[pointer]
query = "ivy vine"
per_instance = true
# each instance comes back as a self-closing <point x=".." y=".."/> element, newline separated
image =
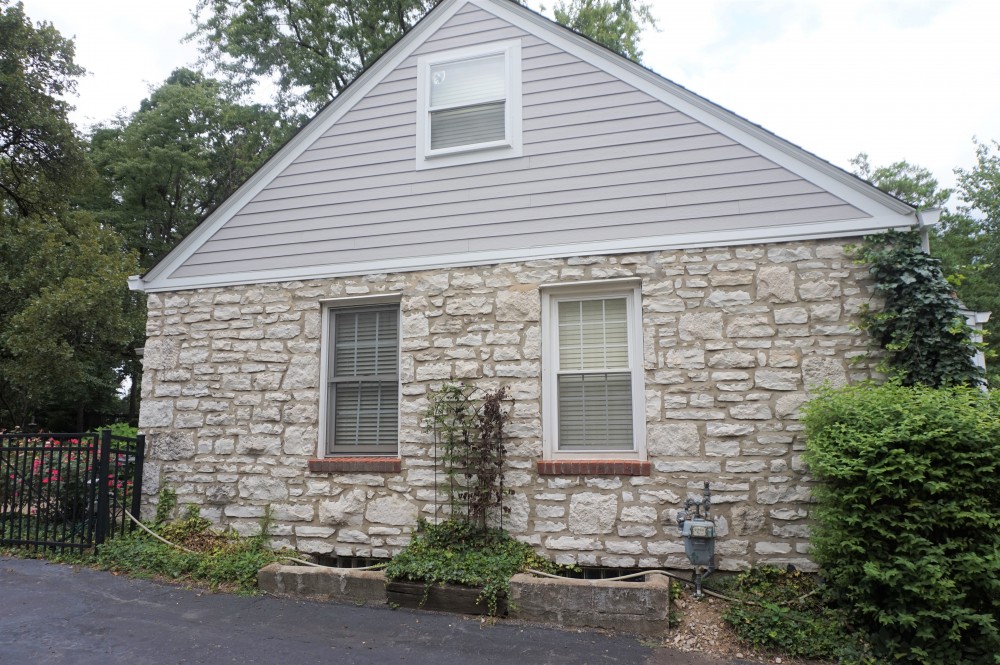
<point x="925" y="338"/>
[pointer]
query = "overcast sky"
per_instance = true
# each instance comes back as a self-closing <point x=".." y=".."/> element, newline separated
<point x="899" y="79"/>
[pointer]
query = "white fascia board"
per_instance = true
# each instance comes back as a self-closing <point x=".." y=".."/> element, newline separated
<point x="838" y="182"/>
<point x="309" y="134"/>
<point x="698" y="239"/>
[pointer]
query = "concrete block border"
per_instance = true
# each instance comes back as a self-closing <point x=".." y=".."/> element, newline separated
<point x="360" y="587"/>
<point x="638" y="607"/>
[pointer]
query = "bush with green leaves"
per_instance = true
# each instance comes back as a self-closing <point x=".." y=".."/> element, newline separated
<point x="783" y="612"/>
<point x="908" y="517"/>
<point x="222" y="560"/>
<point x="459" y="552"/>
<point x="921" y="328"/>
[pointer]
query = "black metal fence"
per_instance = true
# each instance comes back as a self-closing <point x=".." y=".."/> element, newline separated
<point x="68" y="490"/>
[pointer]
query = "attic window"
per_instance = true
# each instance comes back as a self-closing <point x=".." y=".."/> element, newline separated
<point x="469" y="105"/>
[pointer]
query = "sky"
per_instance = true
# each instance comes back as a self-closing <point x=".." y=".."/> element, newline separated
<point x="898" y="79"/>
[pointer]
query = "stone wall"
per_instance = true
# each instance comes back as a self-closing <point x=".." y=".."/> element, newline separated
<point x="734" y="338"/>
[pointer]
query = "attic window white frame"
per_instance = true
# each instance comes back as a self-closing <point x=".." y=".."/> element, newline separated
<point x="552" y="295"/>
<point x="510" y="146"/>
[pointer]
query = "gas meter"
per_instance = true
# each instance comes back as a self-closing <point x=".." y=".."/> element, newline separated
<point x="698" y="530"/>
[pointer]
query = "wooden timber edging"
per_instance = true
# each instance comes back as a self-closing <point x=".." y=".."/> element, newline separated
<point x="638" y="608"/>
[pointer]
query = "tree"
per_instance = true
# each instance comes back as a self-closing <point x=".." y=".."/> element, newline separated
<point x="39" y="154"/>
<point x="63" y="325"/>
<point x="966" y="243"/>
<point x="187" y="148"/>
<point x="312" y="49"/>
<point x="616" y="24"/>
<point x="908" y="182"/>
<point x="67" y="319"/>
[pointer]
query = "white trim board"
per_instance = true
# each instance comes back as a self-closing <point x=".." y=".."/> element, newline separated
<point x="693" y="240"/>
<point x="885" y="211"/>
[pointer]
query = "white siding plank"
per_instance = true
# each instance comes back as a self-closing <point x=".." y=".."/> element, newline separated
<point x="602" y="161"/>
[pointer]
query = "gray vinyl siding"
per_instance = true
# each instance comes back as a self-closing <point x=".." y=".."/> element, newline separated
<point x="601" y="161"/>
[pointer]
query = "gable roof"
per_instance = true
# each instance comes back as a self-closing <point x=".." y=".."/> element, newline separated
<point x="842" y="204"/>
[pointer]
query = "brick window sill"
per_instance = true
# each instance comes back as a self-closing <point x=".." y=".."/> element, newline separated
<point x="602" y="467"/>
<point x="356" y="464"/>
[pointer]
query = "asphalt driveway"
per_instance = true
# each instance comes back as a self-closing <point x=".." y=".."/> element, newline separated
<point x="52" y="613"/>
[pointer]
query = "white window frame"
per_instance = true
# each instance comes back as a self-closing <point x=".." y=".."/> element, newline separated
<point x="552" y="295"/>
<point x="327" y="307"/>
<point x="509" y="147"/>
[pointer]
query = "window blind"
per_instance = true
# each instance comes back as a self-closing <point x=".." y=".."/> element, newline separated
<point x="468" y="102"/>
<point x="364" y="380"/>
<point x="594" y="383"/>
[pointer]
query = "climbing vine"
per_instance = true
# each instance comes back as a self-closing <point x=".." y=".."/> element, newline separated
<point x="921" y="329"/>
<point x="468" y="425"/>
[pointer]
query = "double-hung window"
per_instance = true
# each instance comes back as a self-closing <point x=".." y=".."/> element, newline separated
<point x="469" y="105"/>
<point x="362" y="380"/>
<point x="592" y="355"/>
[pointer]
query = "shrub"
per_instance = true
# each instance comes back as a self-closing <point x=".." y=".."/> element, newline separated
<point x="218" y="559"/>
<point x="908" y="517"/>
<point x="459" y="552"/>
<point x="921" y="327"/>
<point x="785" y="614"/>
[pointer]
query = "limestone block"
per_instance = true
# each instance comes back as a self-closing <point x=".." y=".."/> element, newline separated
<point x="749" y="326"/>
<point x="827" y="312"/>
<point x="639" y="514"/>
<point x="468" y="305"/>
<point x="518" y="306"/>
<point x="302" y="372"/>
<point x="747" y="520"/>
<point x="691" y="467"/>
<point x="262" y="488"/>
<point x="686" y="358"/>
<point x="592" y="513"/>
<point x="394" y="510"/>
<point x="516" y="521"/>
<point x="636" y="531"/>
<point x="571" y="543"/>
<point x="171" y="445"/>
<point x="160" y="353"/>
<point x="783" y="358"/>
<point x="772" y="380"/>
<point x="772" y="548"/>
<point x="282" y="331"/>
<point x="750" y="412"/>
<point x="301" y="414"/>
<point x="728" y="429"/>
<point x="155" y="413"/>
<point x="658" y="496"/>
<point x="416" y="325"/>
<point x="258" y="444"/>
<point x="221" y="494"/>
<point x="786" y="254"/>
<point x="189" y="420"/>
<point x="700" y="326"/>
<point x="550" y="511"/>
<point x="791" y="315"/>
<point x="776" y="284"/>
<point x="346" y="510"/>
<point x="819" y="290"/>
<point x="819" y="370"/>
<point x="788" y="406"/>
<point x="732" y="360"/>
<point x="750" y="466"/>
<point x="676" y="439"/>
<point x="728" y="300"/>
<point x="772" y="494"/>
<point x="434" y="372"/>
